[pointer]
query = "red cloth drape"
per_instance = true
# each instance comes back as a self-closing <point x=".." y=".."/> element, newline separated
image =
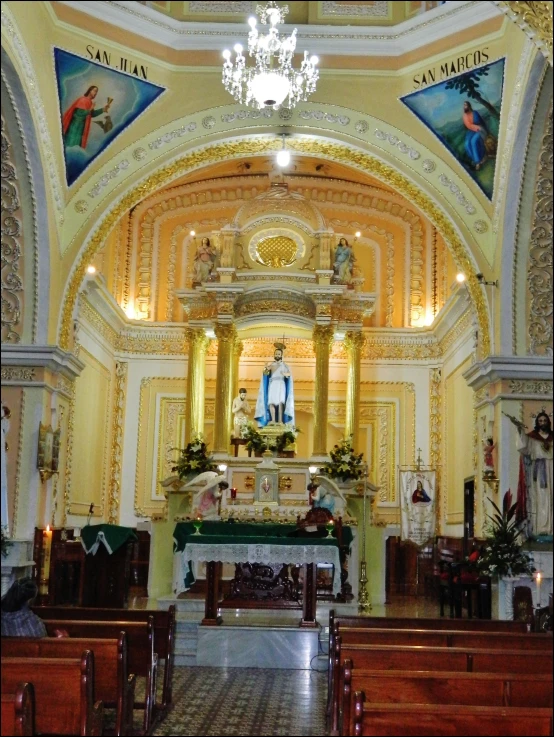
<point x="83" y="103"/>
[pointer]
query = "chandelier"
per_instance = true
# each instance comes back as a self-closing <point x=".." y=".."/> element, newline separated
<point x="273" y="78"/>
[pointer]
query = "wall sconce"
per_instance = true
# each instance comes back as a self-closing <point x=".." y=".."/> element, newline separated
<point x="48" y="455"/>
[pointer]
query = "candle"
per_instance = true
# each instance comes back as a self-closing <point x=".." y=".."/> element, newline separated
<point x="539" y="579"/>
<point x="233" y="493"/>
<point x="46" y="552"/>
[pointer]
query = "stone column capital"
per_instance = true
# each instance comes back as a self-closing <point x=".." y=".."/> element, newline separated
<point x="323" y="335"/>
<point x="225" y="333"/>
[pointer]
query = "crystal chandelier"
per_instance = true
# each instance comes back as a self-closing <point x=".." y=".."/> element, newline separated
<point x="272" y="79"/>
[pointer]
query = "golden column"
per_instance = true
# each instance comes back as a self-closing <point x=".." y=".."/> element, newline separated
<point x="226" y="336"/>
<point x="194" y="409"/>
<point x="323" y="339"/>
<point x="238" y="347"/>
<point x="353" y="342"/>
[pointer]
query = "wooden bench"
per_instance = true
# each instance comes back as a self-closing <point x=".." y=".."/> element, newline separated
<point x="444" y="687"/>
<point x="405" y="623"/>
<point x="444" y="638"/>
<point x="141" y="659"/>
<point x="164" y="630"/>
<point x="18" y="711"/>
<point x="410" y="657"/>
<point x="64" y="692"/>
<point x="440" y="719"/>
<point x="112" y="683"/>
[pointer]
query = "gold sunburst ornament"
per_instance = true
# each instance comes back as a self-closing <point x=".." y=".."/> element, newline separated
<point x="276" y="252"/>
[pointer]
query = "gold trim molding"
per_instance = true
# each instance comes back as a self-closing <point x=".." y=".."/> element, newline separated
<point x="535" y="20"/>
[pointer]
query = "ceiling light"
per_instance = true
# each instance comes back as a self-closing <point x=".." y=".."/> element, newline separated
<point x="460" y="278"/>
<point x="272" y="78"/>
<point x="283" y="156"/>
<point x="192" y="232"/>
<point x="91" y="269"/>
<point x="358" y="234"/>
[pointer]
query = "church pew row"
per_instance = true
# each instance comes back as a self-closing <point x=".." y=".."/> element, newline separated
<point x="141" y="658"/>
<point x="484" y="625"/>
<point x="442" y="719"/>
<point x="440" y="687"/>
<point x="112" y="683"/>
<point x="413" y="657"/>
<point x="18" y="711"/>
<point x="164" y="630"/>
<point x="64" y="692"/>
<point x="444" y="638"/>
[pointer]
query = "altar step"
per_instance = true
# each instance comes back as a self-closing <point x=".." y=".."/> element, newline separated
<point x="250" y="637"/>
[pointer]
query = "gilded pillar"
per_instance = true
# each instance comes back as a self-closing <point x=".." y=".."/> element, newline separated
<point x="353" y="342"/>
<point x="194" y="410"/>
<point x="226" y="337"/>
<point x="323" y="339"/>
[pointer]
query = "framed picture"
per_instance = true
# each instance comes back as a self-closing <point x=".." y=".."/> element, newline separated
<point x="267" y="487"/>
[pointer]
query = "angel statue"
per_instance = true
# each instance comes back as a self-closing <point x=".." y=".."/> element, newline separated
<point x="208" y="488"/>
<point x="329" y="496"/>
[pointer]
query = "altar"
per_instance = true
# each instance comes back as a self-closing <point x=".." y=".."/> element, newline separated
<point x="266" y="550"/>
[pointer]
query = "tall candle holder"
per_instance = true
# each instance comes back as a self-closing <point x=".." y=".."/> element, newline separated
<point x="364" y="603"/>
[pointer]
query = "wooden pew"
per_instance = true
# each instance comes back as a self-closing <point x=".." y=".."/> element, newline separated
<point x="164" y="630"/>
<point x="485" y="625"/>
<point x="142" y="661"/>
<point x="410" y="657"/>
<point x="64" y="692"/>
<point x="444" y="638"/>
<point x="435" y="719"/>
<point x="440" y="687"/>
<point x="112" y="683"/>
<point x="18" y="711"/>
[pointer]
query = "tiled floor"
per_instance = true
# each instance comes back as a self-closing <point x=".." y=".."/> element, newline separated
<point x="238" y="701"/>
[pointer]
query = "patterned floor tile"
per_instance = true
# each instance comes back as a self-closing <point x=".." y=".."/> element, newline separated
<point x="240" y="701"/>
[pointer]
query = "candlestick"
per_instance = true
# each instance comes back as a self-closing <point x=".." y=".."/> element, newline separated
<point x="538" y="581"/>
<point x="46" y="555"/>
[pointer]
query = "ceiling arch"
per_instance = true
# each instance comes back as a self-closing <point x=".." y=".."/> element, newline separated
<point x="248" y="146"/>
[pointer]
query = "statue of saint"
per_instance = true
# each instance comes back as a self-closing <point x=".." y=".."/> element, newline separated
<point x="488" y="447"/>
<point x="344" y="262"/>
<point x="240" y="410"/>
<point x="275" y="402"/>
<point x="204" y="262"/>
<point x="534" y="493"/>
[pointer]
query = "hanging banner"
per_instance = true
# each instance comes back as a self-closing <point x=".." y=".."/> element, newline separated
<point x="417" y="506"/>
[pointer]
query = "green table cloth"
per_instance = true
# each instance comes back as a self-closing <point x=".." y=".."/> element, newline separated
<point x="241" y="542"/>
<point x="111" y="536"/>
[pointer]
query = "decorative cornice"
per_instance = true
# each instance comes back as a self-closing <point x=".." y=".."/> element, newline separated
<point x="37" y="356"/>
<point x="495" y="368"/>
<point x="360" y="41"/>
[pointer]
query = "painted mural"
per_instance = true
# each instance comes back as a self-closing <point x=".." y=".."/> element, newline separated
<point x="464" y="113"/>
<point x="96" y="104"/>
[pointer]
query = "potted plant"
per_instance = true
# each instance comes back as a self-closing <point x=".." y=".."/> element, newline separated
<point x="286" y="443"/>
<point x="193" y="459"/>
<point x="254" y="441"/>
<point x="345" y="465"/>
<point x="502" y="554"/>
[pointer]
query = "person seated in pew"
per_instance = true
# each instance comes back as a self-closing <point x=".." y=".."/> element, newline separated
<point x="17" y="619"/>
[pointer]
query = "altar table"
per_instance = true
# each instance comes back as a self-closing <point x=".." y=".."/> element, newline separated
<point x="269" y="543"/>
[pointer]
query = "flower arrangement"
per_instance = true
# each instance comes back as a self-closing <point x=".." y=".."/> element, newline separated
<point x="502" y="553"/>
<point x="345" y="464"/>
<point x="257" y="444"/>
<point x="193" y="459"/>
<point x="6" y="542"/>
